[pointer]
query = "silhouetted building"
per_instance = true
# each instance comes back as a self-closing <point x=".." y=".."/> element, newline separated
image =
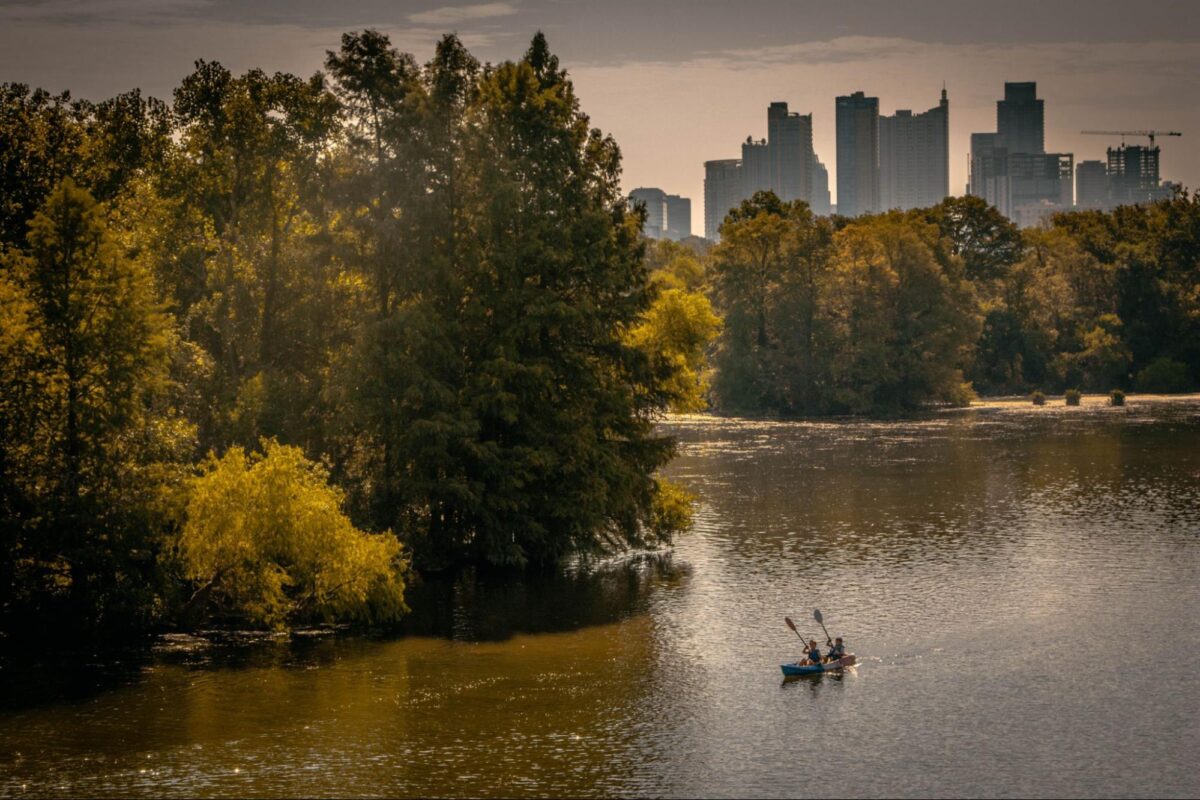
<point x="756" y="166"/>
<point x="857" y="154"/>
<point x="1010" y="168"/>
<point x="679" y="217"/>
<point x="1133" y="175"/>
<point x="722" y="191"/>
<point x="655" y="201"/>
<point x="1020" y="119"/>
<point x="789" y="139"/>
<point x="1091" y="185"/>
<point x="819" y="193"/>
<point x="914" y="158"/>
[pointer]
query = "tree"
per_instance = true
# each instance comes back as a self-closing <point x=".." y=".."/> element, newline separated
<point x="85" y="450"/>
<point x="904" y="320"/>
<point x="678" y="329"/>
<point x="263" y="540"/>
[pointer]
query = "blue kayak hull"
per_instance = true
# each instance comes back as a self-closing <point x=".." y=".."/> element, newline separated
<point x="790" y="670"/>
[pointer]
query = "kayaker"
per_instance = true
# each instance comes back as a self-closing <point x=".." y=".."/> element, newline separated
<point x="814" y="652"/>
<point x="836" y="650"/>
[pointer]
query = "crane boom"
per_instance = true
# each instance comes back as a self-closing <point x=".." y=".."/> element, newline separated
<point x="1123" y="134"/>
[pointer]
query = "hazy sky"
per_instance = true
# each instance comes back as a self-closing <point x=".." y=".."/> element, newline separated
<point x="678" y="83"/>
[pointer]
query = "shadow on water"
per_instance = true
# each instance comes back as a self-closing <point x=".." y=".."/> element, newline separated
<point x="470" y="606"/>
<point x="487" y="606"/>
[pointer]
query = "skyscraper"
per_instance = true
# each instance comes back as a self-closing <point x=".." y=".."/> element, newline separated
<point x="1091" y="185"/>
<point x="756" y="166"/>
<point x="789" y="138"/>
<point x="819" y="193"/>
<point x="1019" y="119"/>
<point x="679" y="217"/>
<point x="1011" y="169"/>
<point x="914" y="158"/>
<point x="1133" y="174"/>
<point x="722" y="191"/>
<point x="656" y="210"/>
<point x="857" y="154"/>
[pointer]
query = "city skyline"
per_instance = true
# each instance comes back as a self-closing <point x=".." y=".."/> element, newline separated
<point x="675" y="89"/>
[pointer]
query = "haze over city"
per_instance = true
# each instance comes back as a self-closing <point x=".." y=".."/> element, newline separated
<point x="681" y="83"/>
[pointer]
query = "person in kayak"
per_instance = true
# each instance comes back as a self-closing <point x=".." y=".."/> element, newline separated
<point x="814" y="652"/>
<point x="836" y="650"/>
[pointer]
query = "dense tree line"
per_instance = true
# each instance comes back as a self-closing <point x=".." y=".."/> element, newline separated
<point x="891" y="312"/>
<point x="266" y="348"/>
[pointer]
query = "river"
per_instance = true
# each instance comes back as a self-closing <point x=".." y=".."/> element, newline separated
<point x="1020" y="585"/>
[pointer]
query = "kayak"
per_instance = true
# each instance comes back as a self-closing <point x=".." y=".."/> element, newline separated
<point x="797" y="668"/>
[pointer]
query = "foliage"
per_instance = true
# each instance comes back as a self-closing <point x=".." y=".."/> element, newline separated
<point x="426" y="277"/>
<point x="1116" y="397"/>
<point x="264" y="541"/>
<point x="676" y="332"/>
<point x="1071" y="397"/>
<point x="1038" y="398"/>
<point x="86" y="429"/>
<point x="873" y="319"/>
<point x="1164" y="376"/>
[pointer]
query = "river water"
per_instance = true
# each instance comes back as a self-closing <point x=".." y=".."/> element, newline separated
<point x="1020" y="586"/>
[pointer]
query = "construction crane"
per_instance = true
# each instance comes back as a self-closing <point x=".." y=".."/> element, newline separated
<point x="1123" y="134"/>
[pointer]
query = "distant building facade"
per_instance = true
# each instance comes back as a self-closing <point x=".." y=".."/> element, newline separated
<point x="1133" y="175"/>
<point x="819" y="199"/>
<point x="789" y="140"/>
<point x="1091" y="185"/>
<point x="679" y="217"/>
<point x="857" y="154"/>
<point x="783" y="163"/>
<point x="668" y="216"/>
<point x="655" y="201"/>
<point x="756" y="166"/>
<point x="1011" y="169"/>
<point x="1020" y="119"/>
<point x="722" y="191"/>
<point x="914" y="158"/>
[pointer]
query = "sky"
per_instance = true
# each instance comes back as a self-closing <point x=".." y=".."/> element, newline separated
<point x="680" y="82"/>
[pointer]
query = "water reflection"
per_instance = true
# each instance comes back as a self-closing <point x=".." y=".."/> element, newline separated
<point x="954" y="553"/>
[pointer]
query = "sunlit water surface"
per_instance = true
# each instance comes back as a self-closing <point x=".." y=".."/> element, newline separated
<point x="1020" y="586"/>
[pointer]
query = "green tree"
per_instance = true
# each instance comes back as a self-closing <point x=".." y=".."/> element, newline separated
<point x="264" y="540"/>
<point x="904" y="319"/>
<point x="86" y="452"/>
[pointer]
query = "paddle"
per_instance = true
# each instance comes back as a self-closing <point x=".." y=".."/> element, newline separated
<point x="792" y="625"/>
<point x="821" y="622"/>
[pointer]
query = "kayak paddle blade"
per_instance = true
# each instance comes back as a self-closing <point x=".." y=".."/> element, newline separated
<point x="817" y="616"/>
<point x="789" y="622"/>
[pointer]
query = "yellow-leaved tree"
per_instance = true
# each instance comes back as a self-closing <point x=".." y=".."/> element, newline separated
<point x="264" y="541"/>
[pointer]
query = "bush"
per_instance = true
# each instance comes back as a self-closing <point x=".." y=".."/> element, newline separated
<point x="1039" y="399"/>
<point x="1072" y="397"/>
<point x="264" y="541"/>
<point x="1164" y="376"/>
<point x="961" y="394"/>
<point x="1116" y="397"/>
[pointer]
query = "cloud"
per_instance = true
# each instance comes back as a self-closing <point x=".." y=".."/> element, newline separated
<point x="451" y="15"/>
<point x="83" y="12"/>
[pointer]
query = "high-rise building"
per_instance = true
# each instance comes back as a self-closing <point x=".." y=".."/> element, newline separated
<point x="1039" y="184"/>
<point x="1011" y="169"/>
<point x="857" y="154"/>
<point x="756" y="166"/>
<point x="679" y="217"/>
<point x="1020" y="119"/>
<point x="722" y="191"/>
<point x="819" y="194"/>
<point x="1091" y="185"/>
<point x="914" y="158"/>
<point x="1133" y="175"/>
<point x="789" y="137"/>
<point x="655" y="201"/>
